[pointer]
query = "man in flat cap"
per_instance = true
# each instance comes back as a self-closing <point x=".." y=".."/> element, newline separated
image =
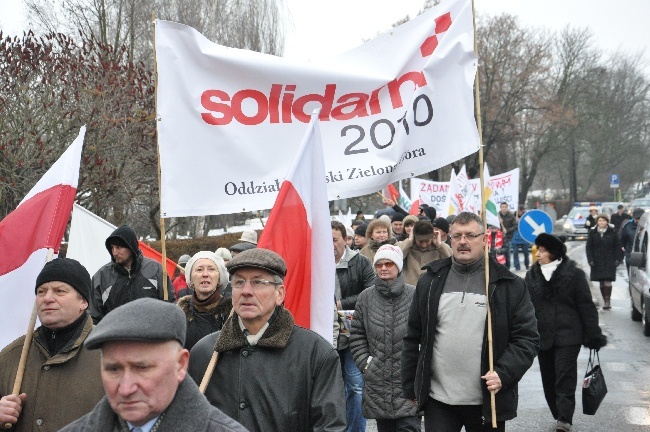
<point x="128" y="276"/>
<point x="144" y="372"/>
<point x="61" y="380"/>
<point x="271" y="374"/>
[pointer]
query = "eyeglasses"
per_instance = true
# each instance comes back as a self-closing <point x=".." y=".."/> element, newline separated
<point x="387" y="264"/>
<point x="256" y="284"/>
<point x="469" y="236"/>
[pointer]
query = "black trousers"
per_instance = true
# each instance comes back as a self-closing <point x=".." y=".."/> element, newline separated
<point x="403" y="424"/>
<point x="559" y="368"/>
<point x="440" y="417"/>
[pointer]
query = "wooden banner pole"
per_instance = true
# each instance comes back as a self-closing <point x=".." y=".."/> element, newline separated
<point x="477" y="103"/>
<point x="20" y="373"/>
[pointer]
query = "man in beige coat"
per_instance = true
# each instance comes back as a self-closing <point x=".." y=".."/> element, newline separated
<point x="422" y="247"/>
<point x="62" y="380"/>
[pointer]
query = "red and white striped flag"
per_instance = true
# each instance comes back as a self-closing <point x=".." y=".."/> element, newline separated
<point x="299" y="229"/>
<point x="36" y="225"/>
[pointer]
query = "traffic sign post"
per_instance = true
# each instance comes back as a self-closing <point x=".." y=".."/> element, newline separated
<point x="614" y="181"/>
<point x="533" y="223"/>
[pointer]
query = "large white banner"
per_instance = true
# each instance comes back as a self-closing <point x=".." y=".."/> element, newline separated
<point x="230" y="121"/>
<point x="501" y="188"/>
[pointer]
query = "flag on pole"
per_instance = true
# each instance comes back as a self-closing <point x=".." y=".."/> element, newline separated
<point x="87" y="242"/>
<point x="299" y="229"/>
<point x="26" y="234"/>
<point x="403" y="199"/>
<point x="491" y="212"/>
<point x="390" y="192"/>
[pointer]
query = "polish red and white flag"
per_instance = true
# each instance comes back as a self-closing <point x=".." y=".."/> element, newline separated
<point x="299" y="229"/>
<point x="26" y="234"/>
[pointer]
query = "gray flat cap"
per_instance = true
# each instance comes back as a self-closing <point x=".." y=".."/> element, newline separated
<point x="145" y="320"/>
<point x="259" y="258"/>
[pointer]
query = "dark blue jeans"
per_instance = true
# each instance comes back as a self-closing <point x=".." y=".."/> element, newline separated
<point x="515" y="255"/>
<point x="353" y="379"/>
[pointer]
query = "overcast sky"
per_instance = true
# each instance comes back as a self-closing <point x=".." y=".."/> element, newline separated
<point x="325" y="28"/>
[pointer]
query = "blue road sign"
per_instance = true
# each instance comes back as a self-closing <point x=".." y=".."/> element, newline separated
<point x="613" y="180"/>
<point x="533" y="223"/>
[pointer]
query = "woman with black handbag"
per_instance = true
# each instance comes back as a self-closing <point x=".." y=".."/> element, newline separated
<point x="566" y="319"/>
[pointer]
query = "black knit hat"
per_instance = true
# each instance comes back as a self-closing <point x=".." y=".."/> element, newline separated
<point x="442" y="224"/>
<point x="69" y="271"/>
<point x="397" y="217"/>
<point x="553" y="244"/>
<point x="361" y="230"/>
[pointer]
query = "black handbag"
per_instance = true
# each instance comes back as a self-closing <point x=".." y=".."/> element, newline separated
<point x="594" y="387"/>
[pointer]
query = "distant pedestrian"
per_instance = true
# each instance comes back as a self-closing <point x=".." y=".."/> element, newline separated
<point x="628" y="232"/>
<point x="180" y="283"/>
<point x="519" y="244"/>
<point x="604" y="253"/>
<point x="619" y="218"/>
<point x="508" y="228"/>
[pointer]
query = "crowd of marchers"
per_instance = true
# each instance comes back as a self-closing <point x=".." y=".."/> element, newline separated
<point x="409" y="345"/>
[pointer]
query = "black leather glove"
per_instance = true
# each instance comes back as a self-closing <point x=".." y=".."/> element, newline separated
<point x="596" y="342"/>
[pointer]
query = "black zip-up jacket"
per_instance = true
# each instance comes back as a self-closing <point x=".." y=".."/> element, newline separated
<point x="114" y="286"/>
<point x="514" y="336"/>
<point x="566" y="314"/>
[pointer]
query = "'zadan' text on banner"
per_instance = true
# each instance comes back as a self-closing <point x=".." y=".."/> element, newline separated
<point x="232" y="120"/>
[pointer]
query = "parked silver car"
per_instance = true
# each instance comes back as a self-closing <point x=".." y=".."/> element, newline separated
<point x="640" y="275"/>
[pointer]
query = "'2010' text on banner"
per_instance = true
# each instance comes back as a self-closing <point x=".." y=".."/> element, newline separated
<point x="230" y="121"/>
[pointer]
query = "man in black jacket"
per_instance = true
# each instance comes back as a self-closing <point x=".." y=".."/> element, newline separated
<point x="128" y="276"/>
<point x="445" y="368"/>
<point x="271" y="375"/>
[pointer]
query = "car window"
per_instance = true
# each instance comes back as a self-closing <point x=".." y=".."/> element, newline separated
<point x="578" y="213"/>
<point x="641" y="203"/>
<point x="641" y="241"/>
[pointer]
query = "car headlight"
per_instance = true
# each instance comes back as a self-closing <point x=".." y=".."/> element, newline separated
<point x="568" y="225"/>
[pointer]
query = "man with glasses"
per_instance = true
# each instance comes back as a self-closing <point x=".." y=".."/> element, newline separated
<point x="271" y="374"/>
<point x="445" y="368"/>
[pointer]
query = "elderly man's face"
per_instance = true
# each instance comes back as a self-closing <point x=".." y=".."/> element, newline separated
<point x="58" y="304"/>
<point x="398" y="227"/>
<point x="255" y="305"/>
<point x="360" y="241"/>
<point x="141" y="378"/>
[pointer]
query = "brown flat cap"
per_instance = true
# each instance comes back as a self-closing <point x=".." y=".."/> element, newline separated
<point x="259" y="258"/>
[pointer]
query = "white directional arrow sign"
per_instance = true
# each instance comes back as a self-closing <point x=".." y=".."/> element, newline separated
<point x="533" y="223"/>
